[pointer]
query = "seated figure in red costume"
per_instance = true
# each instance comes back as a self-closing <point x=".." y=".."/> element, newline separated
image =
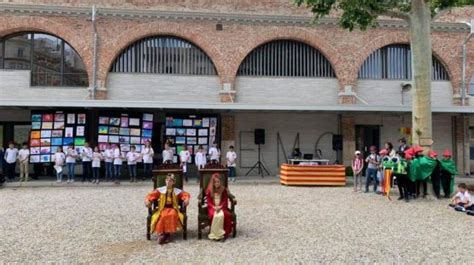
<point x="217" y="209"/>
<point x="168" y="218"/>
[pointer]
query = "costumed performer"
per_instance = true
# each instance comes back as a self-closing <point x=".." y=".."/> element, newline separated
<point x="447" y="172"/>
<point x="167" y="219"/>
<point x="217" y="209"/>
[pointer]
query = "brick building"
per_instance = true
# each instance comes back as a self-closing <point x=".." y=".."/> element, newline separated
<point x="253" y="64"/>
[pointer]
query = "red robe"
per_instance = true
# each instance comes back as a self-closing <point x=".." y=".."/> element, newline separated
<point x="224" y="208"/>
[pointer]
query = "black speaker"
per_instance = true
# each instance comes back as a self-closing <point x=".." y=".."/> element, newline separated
<point x="337" y="142"/>
<point x="259" y="136"/>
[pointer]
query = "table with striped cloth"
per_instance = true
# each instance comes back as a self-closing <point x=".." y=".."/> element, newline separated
<point x="312" y="175"/>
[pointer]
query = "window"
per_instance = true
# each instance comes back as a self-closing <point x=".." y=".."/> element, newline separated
<point x="286" y="58"/>
<point x="18" y="52"/>
<point x="51" y="60"/>
<point x="164" y="55"/>
<point x="394" y="62"/>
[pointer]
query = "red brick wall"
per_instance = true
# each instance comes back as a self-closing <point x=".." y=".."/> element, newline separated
<point x="228" y="48"/>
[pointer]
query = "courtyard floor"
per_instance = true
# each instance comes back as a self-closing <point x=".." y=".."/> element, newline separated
<point x="276" y="224"/>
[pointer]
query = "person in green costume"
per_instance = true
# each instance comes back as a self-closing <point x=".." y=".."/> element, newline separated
<point x="400" y="166"/>
<point x="435" y="175"/>
<point x="447" y="173"/>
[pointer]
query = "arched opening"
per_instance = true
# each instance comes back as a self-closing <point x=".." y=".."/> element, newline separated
<point x="51" y="60"/>
<point x="393" y="62"/>
<point x="164" y="55"/>
<point x="286" y="58"/>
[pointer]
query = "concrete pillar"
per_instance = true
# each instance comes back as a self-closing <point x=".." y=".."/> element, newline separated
<point x="462" y="144"/>
<point x="348" y="138"/>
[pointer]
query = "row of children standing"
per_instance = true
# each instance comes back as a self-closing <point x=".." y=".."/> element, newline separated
<point x="113" y="160"/>
<point x="405" y="166"/>
<point x="201" y="158"/>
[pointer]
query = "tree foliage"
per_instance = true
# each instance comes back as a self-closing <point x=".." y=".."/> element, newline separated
<point x="363" y="13"/>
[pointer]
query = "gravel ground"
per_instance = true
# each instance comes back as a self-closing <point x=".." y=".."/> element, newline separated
<point x="277" y="224"/>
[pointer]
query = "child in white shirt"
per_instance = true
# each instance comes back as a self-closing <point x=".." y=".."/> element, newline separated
<point x="462" y="199"/>
<point x="23" y="158"/>
<point x="71" y="156"/>
<point x="96" y="158"/>
<point x="231" y="159"/>
<point x="214" y="154"/>
<point x="108" y="157"/>
<point x="117" y="163"/>
<point x="200" y="159"/>
<point x="86" y="156"/>
<point x="184" y="158"/>
<point x="132" y="157"/>
<point x="147" y="154"/>
<point x="10" y="157"/>
<point x="59" y="157"/>
<point x="167" y="155"/>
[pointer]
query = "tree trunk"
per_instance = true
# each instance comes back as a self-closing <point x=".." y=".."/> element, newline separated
<point x="420" y="30"/>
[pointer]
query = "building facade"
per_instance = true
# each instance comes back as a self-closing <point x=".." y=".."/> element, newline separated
<point x="254" y="64"/>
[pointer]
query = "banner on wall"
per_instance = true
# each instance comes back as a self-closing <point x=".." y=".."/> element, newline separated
<point x="190" y="130"/>
<point x="125" y="130"/>
<point x="49" y="130"/>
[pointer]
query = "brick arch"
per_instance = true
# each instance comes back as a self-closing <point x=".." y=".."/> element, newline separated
<point x="75" y="38"/>
<point x="181" y="30"/>
<point x="402" y="38"/>
<point x="294" y="34"/>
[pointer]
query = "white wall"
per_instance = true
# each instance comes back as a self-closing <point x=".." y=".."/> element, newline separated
<point x="388" y="92"/>
<point x="309" y="125"/>
<point x="15" y="84"/>
<point x="389" y="131"/>
<point x="163" y="88"/>
<point x="292" y="90"/>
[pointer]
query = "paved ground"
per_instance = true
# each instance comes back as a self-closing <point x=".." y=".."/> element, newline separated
<point x="277" y="224"/>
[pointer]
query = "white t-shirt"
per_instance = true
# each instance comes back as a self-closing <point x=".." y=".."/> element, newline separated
<point x="373" y="157"/>
<point x="167" y="155"/>
<point x="108" y="156"/>
<point x="96" y="157"/>
<point x="117" y="157"/>
<point x="200" y="159"/>
<point x="132" y="158"/>
<point x="231" y="157"/>
<point x="23" y="154"/>
<point x="71" y="155"/>
<point x="10" y="155"/>
<point x="148" y="153"/>
<point x="59" y="158"/>
<point x="464" y="196"/>
<point x="86" y="154"/>
<point x="184" y="156"/>
<point x="214" y="153"/>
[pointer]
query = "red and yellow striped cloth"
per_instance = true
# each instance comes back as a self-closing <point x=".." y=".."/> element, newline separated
<point x="300" y="175"/>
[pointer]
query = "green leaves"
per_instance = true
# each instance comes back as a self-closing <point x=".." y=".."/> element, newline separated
<point x="364" y="13"/>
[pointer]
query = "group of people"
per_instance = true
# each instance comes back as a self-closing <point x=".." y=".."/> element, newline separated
<point x="409" y="166"/>
<point x="11" y="157"/>
<point x="90" y="158"/>
<point x="168" y="218"/>
<point x="201" y="158"/>
<point x="112" y="158"/>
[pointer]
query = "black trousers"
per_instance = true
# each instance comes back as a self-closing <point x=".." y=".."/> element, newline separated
<point x="10" y="168"/>
<point x="436" y="181"/>
<point x="86" y="171"/>
<point x="403" y="185"/>
<point x="445" y="177"/>
<point x="424" y="185"/>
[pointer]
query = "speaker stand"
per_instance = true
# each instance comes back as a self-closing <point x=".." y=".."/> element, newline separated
<point x="259" y="166"/>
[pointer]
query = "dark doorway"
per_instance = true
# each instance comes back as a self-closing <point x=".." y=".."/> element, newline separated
<point x="367" y="135"/>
